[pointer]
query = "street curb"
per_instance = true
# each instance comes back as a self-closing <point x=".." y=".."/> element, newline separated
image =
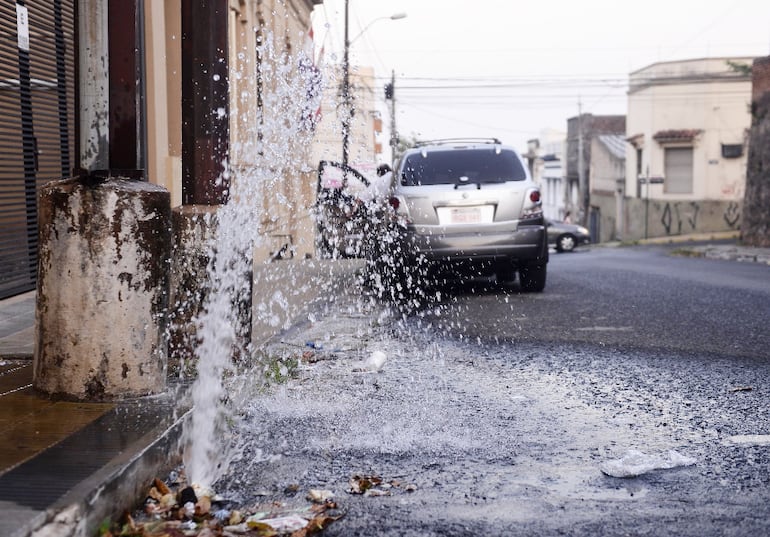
<point x="115" y="488"/>
<point x="674" y="239"/>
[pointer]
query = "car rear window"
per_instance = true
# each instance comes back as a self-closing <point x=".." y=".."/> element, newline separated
<point x="484" y="165"/>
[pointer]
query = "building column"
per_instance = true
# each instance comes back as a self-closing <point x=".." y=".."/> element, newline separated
<point x="105" y="235"/>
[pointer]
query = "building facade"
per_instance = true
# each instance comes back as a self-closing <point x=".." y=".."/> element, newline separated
<point x="583" y="138"/>
<point x="45" y="137"/>
<point x="686" y="158"/>
<point x="365" y="152"/>
<point x="607" y="170"/>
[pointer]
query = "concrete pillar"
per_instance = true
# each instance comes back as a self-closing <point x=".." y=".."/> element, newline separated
<point x="195" y="230"/>
<point x="102" y="289"/>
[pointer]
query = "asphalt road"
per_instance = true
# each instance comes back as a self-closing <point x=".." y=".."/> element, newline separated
<point x="495" y="412"/>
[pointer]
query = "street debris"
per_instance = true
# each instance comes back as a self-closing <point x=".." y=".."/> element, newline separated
<point x="742" y="389"/>
<point x="180" y="510"/>
<point x="635" y="463"/>
<point x="751" y="439"/>
<point x="319" y="496"/>
<point x="373" y="485"/>
<point x="373" y="363"/>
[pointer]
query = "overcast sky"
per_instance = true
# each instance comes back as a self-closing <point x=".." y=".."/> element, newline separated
<point x="510" y="69"/>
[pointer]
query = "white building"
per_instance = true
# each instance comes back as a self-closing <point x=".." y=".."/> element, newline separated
<point x="548" y="172"/>
<point x="686" y="161"/>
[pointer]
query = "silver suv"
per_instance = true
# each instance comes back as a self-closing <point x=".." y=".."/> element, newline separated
<point x="466" y="204"/>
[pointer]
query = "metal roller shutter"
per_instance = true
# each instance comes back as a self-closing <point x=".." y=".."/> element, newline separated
<point x="37" y="89"/>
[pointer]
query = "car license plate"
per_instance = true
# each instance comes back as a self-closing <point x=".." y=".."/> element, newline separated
<point x="465" y="215"/>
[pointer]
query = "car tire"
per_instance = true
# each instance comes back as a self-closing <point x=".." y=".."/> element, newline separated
<point x="506" y="272"/>
<point x="566" y="243"/>
<point x="532" y="278"/>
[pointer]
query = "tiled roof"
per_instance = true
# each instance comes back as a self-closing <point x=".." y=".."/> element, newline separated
<point x="676" y="135"/>
<point x="615" y="144"/>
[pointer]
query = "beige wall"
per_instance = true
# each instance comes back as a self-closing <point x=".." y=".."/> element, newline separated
<point x="164" y="95"/>
<point x="701" y="94"/>
<point x="249" y="22"/>
<point x="605" y="169"/>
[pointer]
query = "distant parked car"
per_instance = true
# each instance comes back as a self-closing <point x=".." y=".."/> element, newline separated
<point x="566" y="237"/>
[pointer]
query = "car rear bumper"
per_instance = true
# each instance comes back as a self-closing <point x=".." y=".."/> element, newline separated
<point x="436" y="243"/>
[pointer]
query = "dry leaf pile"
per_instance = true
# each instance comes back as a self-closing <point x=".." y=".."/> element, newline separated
<point x="191" y="512"/>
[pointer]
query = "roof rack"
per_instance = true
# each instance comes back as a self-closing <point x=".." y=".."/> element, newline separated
<point x="421" y="143"/>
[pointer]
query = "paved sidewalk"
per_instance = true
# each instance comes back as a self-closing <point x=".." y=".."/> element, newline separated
<point x="65" y="467"/>
<point x="17" y="326"/>
<point x="723" y="245"/>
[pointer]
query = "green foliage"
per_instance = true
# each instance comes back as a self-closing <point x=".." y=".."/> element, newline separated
<point x="742" y="68"/>
<point x="277" y="369"/>
<point x="404" y="143"/>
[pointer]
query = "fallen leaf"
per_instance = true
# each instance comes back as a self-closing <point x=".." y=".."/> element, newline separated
<point x="316" y="525"/>
<point x="235" y="518"/>
<point x="360" y="484"/>
<point x="203" y="507"/>
<point x="168" y="500"/>
<point x="155" y="494"/>
<point x="161" y="486"/>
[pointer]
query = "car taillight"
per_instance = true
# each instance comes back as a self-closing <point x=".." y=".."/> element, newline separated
<point x="395" y="203"/>
<point x="533" y="204"/>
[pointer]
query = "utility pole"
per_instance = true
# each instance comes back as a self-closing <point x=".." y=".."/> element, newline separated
<point x="348" y="110"/>
<point x="393" y="131"/>
<point x="581" y="172"/>
<point x="347" y="113"/>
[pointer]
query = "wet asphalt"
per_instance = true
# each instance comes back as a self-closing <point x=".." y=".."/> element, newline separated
<point x="495" y="410"/>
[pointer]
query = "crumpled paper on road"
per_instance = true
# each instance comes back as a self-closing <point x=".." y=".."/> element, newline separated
<point x="635" y="463"/>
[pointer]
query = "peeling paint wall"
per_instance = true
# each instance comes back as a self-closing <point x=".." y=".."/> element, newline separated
<point x="102" y="289"/>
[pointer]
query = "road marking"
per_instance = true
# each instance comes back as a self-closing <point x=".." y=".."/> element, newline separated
<point x="605" y="329"/>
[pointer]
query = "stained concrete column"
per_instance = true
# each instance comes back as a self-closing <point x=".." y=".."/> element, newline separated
<point x="205" y="175"/>
<point x="102" y="289"/>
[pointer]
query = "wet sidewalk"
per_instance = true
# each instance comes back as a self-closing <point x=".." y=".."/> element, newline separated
<point x="66" y="467"/>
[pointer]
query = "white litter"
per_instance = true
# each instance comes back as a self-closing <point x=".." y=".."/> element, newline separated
<point x="374" y="363"/>
<point x="319" y="496"/>
<point x="635" y="463"/>
<point x="284" y="524"/>
<point x="752" y="439"/>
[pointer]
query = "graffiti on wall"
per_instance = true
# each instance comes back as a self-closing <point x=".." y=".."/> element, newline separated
<point x="676" y="216"/>
<point x="683" y="217"/>
<point x="732" y="214"/>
